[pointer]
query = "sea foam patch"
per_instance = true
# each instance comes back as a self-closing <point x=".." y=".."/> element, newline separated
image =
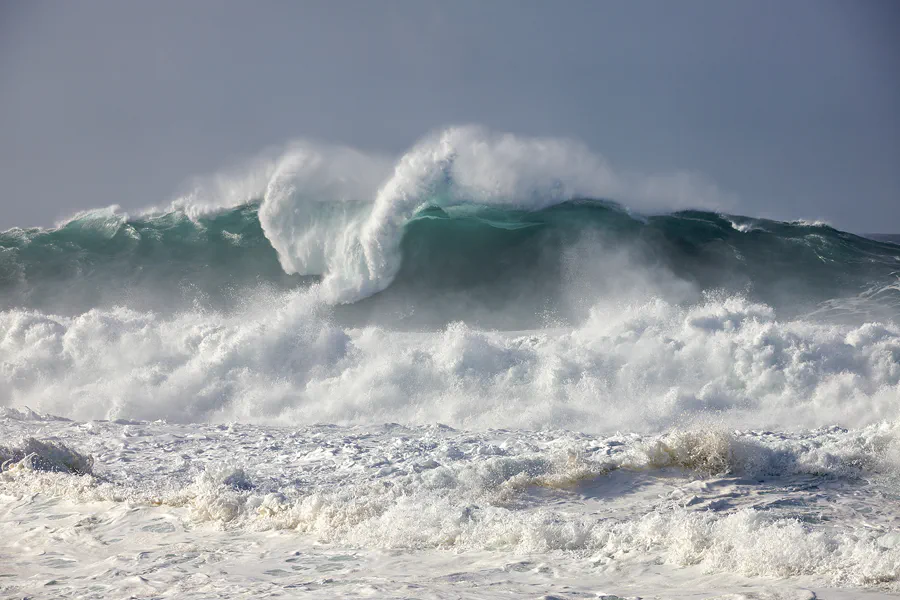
<point x="740" y="504"/>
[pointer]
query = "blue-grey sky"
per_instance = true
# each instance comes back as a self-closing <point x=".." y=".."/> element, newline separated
<point x="793" y="106"/>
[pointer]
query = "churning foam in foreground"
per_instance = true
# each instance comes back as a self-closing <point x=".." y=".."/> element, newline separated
<point x="748" y="504"/>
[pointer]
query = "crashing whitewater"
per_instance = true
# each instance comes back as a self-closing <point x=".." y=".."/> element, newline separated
<point x="492" y="366"/>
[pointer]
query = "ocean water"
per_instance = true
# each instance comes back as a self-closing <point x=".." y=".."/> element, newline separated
<point x="491" y="367"/>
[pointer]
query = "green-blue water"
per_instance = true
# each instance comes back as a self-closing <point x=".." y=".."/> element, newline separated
<point x="492" y="257"/>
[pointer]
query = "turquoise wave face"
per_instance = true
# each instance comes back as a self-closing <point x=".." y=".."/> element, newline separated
<point x="155" y="262"/>
<point x="546" y="258"/>
<point x="465" y="262"/>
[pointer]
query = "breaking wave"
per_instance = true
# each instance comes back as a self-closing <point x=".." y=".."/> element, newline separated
<point x="480" y="280"/>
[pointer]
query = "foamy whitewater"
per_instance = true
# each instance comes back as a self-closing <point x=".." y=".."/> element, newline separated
<point x="492" y="367"/>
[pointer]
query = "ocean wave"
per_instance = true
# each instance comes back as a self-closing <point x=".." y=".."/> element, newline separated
<point x="334" y="213"/>
<point x="455" y="262"/>
<point x="462" y="225"/>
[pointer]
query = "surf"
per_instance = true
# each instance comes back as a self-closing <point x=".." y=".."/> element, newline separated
<point x="493" y="345"/>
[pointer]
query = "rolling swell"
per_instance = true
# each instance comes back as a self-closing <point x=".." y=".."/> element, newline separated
<point x="787" y="265"/>
<point x="155" y="262"/>
<point x="459" y="260"/>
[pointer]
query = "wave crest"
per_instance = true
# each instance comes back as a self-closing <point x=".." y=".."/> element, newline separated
<point x="355" y="242"/>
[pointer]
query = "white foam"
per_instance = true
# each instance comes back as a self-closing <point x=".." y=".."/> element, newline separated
<point x="747" y="504"/>
<point x="642" y="367"/>
<point x="314" y="205"/>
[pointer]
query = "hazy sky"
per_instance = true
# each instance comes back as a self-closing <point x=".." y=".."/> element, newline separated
<point x="793" y="106"/>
